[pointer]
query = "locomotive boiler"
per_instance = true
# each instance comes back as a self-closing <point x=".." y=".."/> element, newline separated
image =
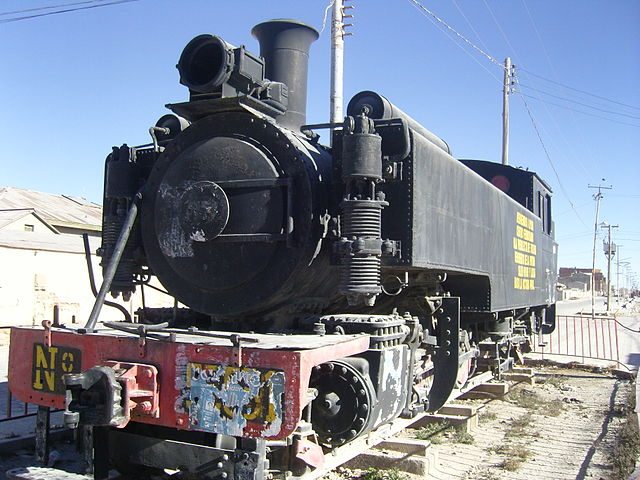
<point x="320" y="291"/>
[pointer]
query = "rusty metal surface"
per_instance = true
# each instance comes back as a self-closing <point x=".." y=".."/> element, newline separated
<point x="290" y="371"/>
<point x="140" y="392"/>
<point x="254" y="340"/>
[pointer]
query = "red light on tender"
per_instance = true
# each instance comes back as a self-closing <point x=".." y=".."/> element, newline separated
<point x="501" y="182"/>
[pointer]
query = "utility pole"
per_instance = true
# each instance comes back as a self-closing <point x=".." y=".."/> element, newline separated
<point x="609" y="251"/>
<point x="506" y="89"/>
<point x="618" y="273"/>
<point x="337" y="58"/>
<point x="597" y="197"/>
<point x="337" y="61"/>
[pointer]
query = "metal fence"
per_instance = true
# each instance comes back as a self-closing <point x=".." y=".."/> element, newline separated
<point x="15" y="409"/>
<point x="11" y="408"/>
<point x="581" y="337"/>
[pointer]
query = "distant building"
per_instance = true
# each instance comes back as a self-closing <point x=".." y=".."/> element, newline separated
<point x="43" y="261"/>
<point x="580" y="279"/>
<point x="66" y="214"/>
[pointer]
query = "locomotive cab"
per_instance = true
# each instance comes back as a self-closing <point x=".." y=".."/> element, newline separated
<point x="524" y="186"/>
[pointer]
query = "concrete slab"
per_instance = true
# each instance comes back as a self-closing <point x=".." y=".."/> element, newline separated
<point x="497" y="388"/>
<point x="519" y="377"/>
<point x="466" y="424"/>
<point x="409" y="446"/>
<point x="523" y="371"/>
<point x="459" y="410"/>
<point x="413" y="464"/>
<point x="486" y="391"/>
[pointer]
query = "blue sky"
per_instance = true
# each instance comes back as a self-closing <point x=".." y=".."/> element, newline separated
<point x="75" y="84"/>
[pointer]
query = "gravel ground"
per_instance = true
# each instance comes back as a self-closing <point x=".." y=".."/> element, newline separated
<point x="564" y="428"/>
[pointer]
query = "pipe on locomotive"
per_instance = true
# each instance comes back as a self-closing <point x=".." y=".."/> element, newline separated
<point x="285" y="45"/>
<point x="378" y="107"/>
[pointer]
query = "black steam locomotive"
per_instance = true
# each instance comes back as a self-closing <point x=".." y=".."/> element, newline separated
<point x="320" y="292"/>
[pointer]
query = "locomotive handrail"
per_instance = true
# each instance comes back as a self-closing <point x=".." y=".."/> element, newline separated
<point x="195" y="331"/>
<point x="141" y="329"/>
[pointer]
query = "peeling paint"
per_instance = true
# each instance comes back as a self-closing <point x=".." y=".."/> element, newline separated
<point x="172" y="239"/>
<point x="181" y="363"/>
<point x="392" y="376"/>
<point x="236" y="401"/>
<point x="198" y="236"/>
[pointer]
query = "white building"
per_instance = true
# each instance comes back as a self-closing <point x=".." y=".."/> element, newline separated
<point x="42" y="261"/>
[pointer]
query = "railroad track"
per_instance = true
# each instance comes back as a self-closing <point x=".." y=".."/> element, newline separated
<point x="387" y="435"/>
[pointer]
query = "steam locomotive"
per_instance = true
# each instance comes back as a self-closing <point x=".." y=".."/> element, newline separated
<point x="320" y="292"/>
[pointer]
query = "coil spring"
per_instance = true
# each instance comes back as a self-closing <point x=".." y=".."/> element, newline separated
<point x="360" y="275"/>
<point x="361" y="218"/>
<point x="123" y="278"/>
<point x="110" y="231"/>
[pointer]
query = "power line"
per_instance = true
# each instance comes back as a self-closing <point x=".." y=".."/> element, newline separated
<point x="87" y="7"/>
<point x="546" y="152"/>
<point x="50" y="7"/>
<point x="506" y="38"/>
<point x="504" y="35"/>
<point x="564" y="212"/>
<point x="466" y="19"/>
<point x="579" y="111"/>
<point x="426" y="12"/>
<point x="432" y="16"/>
<point x="578" y="159"/>
<point x="455" y="32"/>
<point x="574" y="236"/>
<point x="578" y="103"/>
<point x="535" y="29"/>
<point x="578" y="90"/>
<point x="456" y="43"/>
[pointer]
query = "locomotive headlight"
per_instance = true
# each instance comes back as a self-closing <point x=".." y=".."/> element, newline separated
<point x="206" y="63"/>
<point x="209" y="65"/>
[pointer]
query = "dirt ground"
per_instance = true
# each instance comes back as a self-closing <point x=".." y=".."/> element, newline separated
<point x="565" y="427"/>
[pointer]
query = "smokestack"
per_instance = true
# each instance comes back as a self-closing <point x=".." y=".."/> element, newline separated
<point x="285" y="44"/>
